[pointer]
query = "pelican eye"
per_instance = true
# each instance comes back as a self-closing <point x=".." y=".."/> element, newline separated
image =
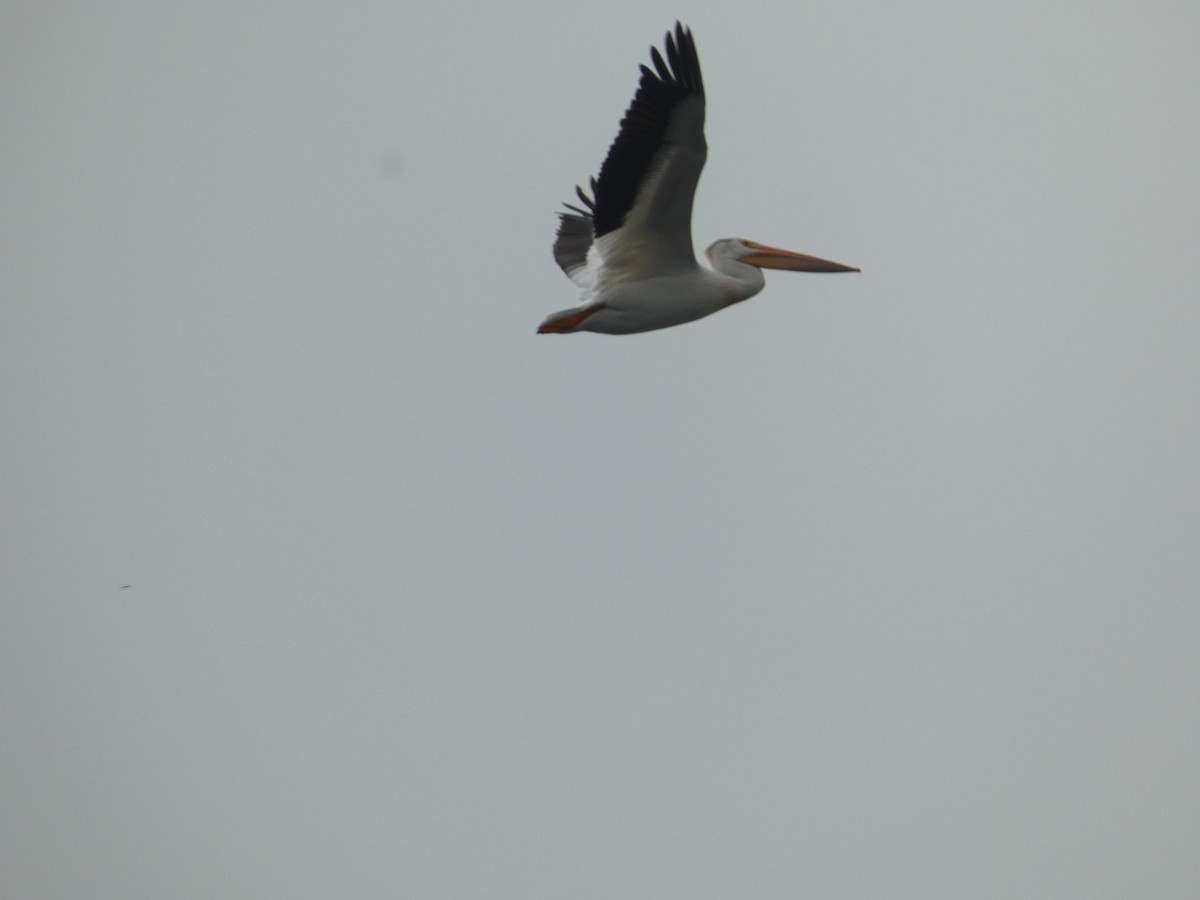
<point x="752" y="245"/>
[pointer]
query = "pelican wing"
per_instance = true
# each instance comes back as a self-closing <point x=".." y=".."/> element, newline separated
<point x="574" y="240"/>
<point x="642" y="215"/>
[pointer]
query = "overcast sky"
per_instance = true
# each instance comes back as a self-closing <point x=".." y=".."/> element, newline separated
<point x="323" y="575"/>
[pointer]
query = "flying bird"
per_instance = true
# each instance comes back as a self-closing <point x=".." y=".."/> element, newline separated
<point x="629" y="245"/>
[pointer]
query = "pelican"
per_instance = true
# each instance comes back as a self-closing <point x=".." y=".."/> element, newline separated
<point x="629" y="246"/>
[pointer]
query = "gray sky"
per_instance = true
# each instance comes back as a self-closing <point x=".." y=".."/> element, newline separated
<point x="880" y="585"/>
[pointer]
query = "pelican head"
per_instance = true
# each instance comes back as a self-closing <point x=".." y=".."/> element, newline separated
<point x="752" y="253"/>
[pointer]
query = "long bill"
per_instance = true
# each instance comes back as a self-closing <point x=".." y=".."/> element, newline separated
<point x="774" y="258"/>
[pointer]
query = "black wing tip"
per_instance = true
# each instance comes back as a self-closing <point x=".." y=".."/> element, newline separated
<point x="683" y="62"/>
<point x="587" y="210"/>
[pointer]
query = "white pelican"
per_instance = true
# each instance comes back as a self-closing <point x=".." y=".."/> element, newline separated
<point x="630" y="248"/>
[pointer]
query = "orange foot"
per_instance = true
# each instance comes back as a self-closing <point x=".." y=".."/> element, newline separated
<point x="561" y="323"/>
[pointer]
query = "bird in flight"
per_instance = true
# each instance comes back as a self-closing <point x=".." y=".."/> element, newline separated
<point x="629" y="245"/>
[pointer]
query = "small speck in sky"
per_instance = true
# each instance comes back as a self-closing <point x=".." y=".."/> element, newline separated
<point x="391" y="163"/>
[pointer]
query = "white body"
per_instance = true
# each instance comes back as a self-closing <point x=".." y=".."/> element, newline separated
<point x="660" y="301"/>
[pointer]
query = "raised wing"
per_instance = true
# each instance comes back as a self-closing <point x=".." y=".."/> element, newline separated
<point x="642" y="215"/>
